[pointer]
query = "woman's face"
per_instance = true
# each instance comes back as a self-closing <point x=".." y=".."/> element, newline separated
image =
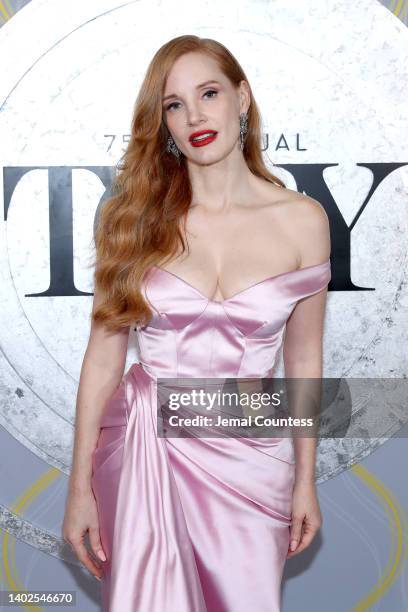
<point x="198" y="97"/>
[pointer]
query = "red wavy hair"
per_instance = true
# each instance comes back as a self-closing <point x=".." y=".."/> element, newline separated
<point x="139" y="225"/>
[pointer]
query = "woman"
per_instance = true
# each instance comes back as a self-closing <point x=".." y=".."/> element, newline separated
<point x="196" y="524"/>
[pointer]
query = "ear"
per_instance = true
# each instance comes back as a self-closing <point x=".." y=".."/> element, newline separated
<point x="244" y="97"/>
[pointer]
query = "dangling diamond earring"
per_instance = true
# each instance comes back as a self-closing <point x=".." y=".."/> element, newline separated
<point x="172" y="148"/>
<point x="243" y="128"/>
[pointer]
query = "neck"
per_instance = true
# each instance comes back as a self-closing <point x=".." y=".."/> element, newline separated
<point x="221" y="185"/>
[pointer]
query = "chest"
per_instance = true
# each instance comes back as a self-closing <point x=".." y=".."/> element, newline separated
<point x="227" y="253"/>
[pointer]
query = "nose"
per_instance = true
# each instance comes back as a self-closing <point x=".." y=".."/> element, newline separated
<point x="194" y="115"/>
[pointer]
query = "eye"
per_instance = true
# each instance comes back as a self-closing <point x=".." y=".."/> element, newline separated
<point x="212" y="91"/>
<point x="209" y="91"/>
<point x="171" y="105"/>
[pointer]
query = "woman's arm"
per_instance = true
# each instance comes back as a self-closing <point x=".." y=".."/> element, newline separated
<point x="101" y="373"/>
<point x="302" y="354"/>
<point x="303" y="359"/>
<point x="302" y="349"/>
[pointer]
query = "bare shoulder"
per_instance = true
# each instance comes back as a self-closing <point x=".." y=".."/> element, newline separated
<point x="307" y="225"/>
<point x="306" y="211"/>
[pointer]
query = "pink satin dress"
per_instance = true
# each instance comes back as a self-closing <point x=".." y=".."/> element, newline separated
<point x="197" y="524"/>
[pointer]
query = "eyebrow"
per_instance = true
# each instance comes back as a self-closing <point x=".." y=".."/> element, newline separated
<point x="198" y="87"/>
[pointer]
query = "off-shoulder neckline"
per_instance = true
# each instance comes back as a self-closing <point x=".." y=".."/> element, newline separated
<point x="239" y="293"/>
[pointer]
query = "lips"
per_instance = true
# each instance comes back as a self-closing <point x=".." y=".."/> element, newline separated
<point x="205" y="137"/>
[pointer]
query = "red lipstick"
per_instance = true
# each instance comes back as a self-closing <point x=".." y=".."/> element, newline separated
<point x="203" y="137"/>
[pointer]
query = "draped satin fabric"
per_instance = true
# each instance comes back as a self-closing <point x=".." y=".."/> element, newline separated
<point x="197" y="524"/>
